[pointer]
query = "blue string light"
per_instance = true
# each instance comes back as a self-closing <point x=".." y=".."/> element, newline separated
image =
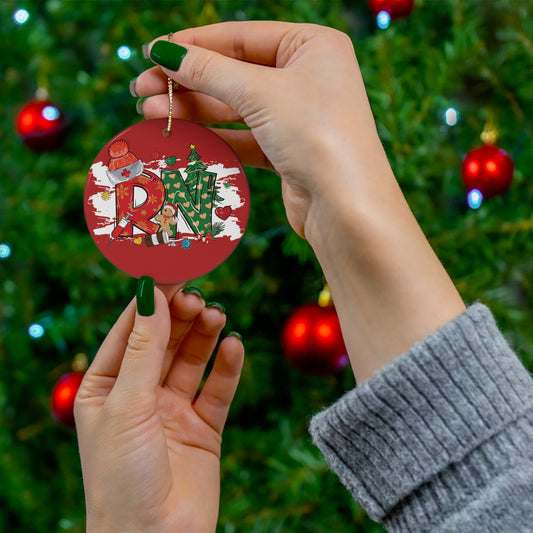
<point x="36" y="331"/>
<point x="21" y="16"/>
<point x="475" y="199"/>
<point x="50" y="112"/>
<point x="124" y="52"/>
<point x="5" y="251"/>
<point x="383" y="20"/>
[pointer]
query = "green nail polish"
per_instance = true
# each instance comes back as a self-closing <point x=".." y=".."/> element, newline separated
<point x="133" y="92"/>
<point x="139" y="104"/>
<point x="220" y="307"/>
<point x="145" y="296"/>
<point x="235" y="334"/>
<point x="193" y="290"/>
<point x="167" y="54"/>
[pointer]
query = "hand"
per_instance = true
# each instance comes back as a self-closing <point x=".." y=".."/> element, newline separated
<point x="299" y="89"/>
<point x="149" y="452"/>
<point x="303" y="114"/>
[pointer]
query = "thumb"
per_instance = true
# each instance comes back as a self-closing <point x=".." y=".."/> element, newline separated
<point x="229" y="80"/>
<point x="140" y="370"/>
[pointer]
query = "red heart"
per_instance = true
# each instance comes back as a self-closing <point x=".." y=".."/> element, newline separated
<point x="223" y="212"/>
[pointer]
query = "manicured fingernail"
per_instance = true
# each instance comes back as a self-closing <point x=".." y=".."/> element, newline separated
<point x="235" y="334"/>
<point x="145" y="50"/>
<point x="167" y="54"/>
<point x="220" y="307"/>
<point x="133" y="92"/>
<point x="145" y="296"/>
<point x="139" y="104"/>
<point x="192" y="290"/>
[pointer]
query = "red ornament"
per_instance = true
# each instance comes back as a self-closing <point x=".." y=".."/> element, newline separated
<point x="395" y="8"/>
<point x="63" y="396"/>
<point x="312" y="340"/>
<point x="41" y="125"/>
<point x="488" y="169"/>
<point x="148" y="238"/>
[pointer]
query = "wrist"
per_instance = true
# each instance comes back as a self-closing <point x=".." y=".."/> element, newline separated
<point x="389" y="288"/>
<point x="349" y="194"/>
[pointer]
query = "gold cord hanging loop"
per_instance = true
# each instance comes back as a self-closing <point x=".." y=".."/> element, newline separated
<point x="172" y="85"/>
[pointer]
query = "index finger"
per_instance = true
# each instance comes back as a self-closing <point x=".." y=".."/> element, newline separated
<point x="252" y="41"/>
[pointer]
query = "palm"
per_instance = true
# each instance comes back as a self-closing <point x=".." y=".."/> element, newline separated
<point x="175" y="460"/>
<point x="182" y="426"/>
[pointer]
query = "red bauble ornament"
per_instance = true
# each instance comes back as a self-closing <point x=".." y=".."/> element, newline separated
<point x="41" y="125"/>
<point x="170" y="234"/>
<point x="312" y="340"/>
<point x="488" y="169"/>
<point x="63" y="396"/>
<point x="395" y="8"/>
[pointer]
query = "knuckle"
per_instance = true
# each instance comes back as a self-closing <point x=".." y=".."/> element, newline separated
<point x="150" y="108"/>
<point x="193" y="358"/>
<point x="336" y="37"/>
<point x="246" y="93"/>
<point x="200" y="67"/>
<point x="344" y="38"/>
<point x="138" y="344"/>
<point x="217" y="400"/>
<point x="238" y="45"/>
<point x="329" y="35"/>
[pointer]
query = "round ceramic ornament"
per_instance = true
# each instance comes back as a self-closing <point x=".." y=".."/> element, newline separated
<point x="170" y="207"/>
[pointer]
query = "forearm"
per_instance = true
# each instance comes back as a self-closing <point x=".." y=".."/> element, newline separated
<point x="388" y="286"/>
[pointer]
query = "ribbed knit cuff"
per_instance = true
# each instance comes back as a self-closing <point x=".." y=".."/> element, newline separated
<point x="430" y="427"/>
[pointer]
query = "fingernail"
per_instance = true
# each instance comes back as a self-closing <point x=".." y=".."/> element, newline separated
<point x="145" y="50"/>
<point x="139" y="104"/>
<point x="192" y="290"/>
<point x="235" y="334"/>
<point x="133" y="92"/>
<point x="220" y="307"/>
<point x="167" y="54"/>
<point x="145" y="296"/>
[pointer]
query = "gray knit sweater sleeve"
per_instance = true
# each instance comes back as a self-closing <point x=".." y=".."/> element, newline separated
<point x="440" y="440"/>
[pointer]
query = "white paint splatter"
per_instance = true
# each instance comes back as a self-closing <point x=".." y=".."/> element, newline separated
<point x="105" y="209"/>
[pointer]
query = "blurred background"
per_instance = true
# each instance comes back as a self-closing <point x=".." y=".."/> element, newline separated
<point x="439" y="74"/>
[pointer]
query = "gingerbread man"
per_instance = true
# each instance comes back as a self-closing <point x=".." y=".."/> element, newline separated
<point x="167" y="218"/>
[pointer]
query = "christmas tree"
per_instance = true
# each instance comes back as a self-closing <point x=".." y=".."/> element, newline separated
<point x="196" y="172"/>
<point x="449" y="58"/>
